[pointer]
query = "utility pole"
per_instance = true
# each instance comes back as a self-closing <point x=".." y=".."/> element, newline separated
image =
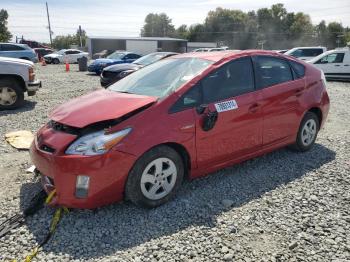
<point x="48" y="20"/>
<point x="81" y="43"/>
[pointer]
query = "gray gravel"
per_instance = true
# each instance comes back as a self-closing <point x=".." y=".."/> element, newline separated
<point x="284" y="206"/>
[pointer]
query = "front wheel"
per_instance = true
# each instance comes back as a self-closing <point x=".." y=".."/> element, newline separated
<point x="11" y="94"/>
<point x="307" y="133"/>
<point x="55" y="61"/>
<point x="155" y="177"/>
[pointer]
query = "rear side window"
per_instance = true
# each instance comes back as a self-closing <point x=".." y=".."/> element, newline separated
<point x="299" y="69"/>
<point x="312" y="52"/>
<point x="11" y="48"/>
<point x="232" y="79"/>
<point x="271" y="71"/>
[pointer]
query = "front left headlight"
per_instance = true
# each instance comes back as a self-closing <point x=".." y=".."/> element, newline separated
<point x="96" y="143"/>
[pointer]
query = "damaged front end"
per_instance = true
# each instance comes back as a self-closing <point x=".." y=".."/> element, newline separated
<point x="79" y="163"/>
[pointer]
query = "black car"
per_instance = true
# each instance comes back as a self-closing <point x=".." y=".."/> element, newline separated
<point x="114" y="73"/>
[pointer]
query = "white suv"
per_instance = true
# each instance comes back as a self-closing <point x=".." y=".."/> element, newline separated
<point x="306" y="53"/>
<point x="16" y="78"/>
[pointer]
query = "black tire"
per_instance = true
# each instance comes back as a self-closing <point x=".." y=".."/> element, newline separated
<point x="299" y="145"/>
<point x="133" y="190"/>
<point x="14" y="85"/>
<point x="55" y="61"/>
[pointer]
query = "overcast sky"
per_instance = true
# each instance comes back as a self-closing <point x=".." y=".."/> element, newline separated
<point x="125" y="18"/>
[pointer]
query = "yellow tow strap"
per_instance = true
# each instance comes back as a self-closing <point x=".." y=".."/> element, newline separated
<point x="54" y="222"/>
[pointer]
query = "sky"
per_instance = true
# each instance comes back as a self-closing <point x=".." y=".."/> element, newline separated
<point x="125" y="18"/>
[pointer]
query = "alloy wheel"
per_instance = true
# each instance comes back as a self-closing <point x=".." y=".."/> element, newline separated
<point x="158" y="178"/>
<point x="8" y="96"/>
<point x="308" y="132"/>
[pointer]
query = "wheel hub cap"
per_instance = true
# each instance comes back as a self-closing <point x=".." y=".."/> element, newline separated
<point x="309" y="132"/>
<point x="7" y="96"/>
<point x="158" y="178"/>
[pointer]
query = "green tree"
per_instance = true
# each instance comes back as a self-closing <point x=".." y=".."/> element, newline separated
<point x="65" y="41"/>
<point x="182" y="32"/>
<point x="5" y="34"/>
<point x="158" y="25"/>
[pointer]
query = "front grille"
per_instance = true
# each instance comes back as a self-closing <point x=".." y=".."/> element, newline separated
<point x="47" y="149"/>
<point x="109" y="74"/>
<point x="63" y="128"/>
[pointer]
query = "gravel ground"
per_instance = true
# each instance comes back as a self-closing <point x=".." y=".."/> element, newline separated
<point x="284" y="206"/>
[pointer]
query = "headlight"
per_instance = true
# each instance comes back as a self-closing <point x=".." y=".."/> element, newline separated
<point x="96" y="143"/>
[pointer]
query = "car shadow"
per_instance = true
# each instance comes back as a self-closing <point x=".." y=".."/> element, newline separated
<point x="110" y="229"/>
<point x="26" y="106"/>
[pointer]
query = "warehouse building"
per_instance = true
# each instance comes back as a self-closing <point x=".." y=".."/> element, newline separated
<point x="140" y="45"/>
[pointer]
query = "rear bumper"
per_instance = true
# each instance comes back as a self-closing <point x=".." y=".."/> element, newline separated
<point x="108" y="174"/>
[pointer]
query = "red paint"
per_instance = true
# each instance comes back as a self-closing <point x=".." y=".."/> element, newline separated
<point x="265" y="120"/>
<point x="98" y="106"/>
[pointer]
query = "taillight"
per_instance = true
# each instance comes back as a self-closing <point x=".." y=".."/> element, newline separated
<point x="31" y="74"/>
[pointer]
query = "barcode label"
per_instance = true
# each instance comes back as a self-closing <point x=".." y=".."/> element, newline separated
<point x="226" y="106"/>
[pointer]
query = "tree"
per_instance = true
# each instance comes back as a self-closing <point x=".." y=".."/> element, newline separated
<point x="64" y="42"/>
<point x="182" y="32"/>
<point x="157" y="25"/>
<point x="5" y="34"/>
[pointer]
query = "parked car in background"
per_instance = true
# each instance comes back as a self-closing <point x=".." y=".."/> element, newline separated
<point x="113" y="73"/>
<point x="281" y="51"/>
<point x="118" y="57"/>
<point x="102" y="54"/>
<point x="215" y="49"/>
<point x="306" y="53"/>
<point x="335" y="64"/>
<point x="41" y="52"/>
<point x="20" y="51"/>
<point x="16" y="78"/>
<point x="181" y="117"/>
<point x="65" y="55"/>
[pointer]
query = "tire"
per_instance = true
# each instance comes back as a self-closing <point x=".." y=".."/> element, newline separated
<point x="11" y="94"/>
<point x="150" y="188"/>
<point x="55" y="61"/>
<point x="307" y="132"/>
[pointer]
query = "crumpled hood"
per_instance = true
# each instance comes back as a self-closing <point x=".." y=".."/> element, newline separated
<point x="105" y="61"/>
<point x="98" y="106"/>
<point x="121" y="67"/>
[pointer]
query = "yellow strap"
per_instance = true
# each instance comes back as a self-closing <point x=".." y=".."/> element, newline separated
<point x="50" y="196"/>
<point x="32" y="255"/>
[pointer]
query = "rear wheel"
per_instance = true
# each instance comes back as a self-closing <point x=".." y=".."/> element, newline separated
<point x="11" y="94"/>
<point x="155" y="177"/>
<point x="307" y="133"/>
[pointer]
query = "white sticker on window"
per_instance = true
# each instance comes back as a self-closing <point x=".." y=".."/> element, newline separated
<point x="226" y="106"/>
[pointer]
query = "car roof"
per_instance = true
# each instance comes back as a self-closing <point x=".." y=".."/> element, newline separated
<point x="217" y="56"/>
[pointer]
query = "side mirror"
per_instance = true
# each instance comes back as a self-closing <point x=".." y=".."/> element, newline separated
<point x="209" y="120"/>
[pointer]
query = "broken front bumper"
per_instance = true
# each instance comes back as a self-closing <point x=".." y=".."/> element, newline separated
<point x="108" y="174"/>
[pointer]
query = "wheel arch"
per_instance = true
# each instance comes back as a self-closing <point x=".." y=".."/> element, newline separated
<point x="318" y="112"/>
<point x="17" y="78"/>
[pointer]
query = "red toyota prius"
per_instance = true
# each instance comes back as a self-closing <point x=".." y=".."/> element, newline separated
<point x="182" y="117"/>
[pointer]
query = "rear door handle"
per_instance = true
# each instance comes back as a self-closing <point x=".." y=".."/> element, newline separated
<point x="254" y="108"/>
<point x="346" y="65"/>
<point x="336" y="65"/>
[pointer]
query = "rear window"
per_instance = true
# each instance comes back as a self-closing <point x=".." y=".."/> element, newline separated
<point x="9" y="47"/>
<point x="310" y="52"/>
<point x="298" y="69"/>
